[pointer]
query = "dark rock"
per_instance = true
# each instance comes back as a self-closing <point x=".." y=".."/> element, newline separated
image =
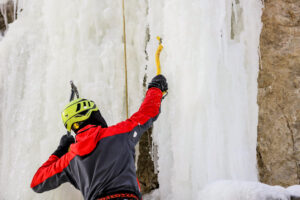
<point x="145" y="172"/>
<point x="9" y="8"/>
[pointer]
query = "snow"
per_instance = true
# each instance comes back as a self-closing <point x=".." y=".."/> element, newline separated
<point x="294" y="190"/>
<point x="206" y="132"/>
<point x="241" y="190"/>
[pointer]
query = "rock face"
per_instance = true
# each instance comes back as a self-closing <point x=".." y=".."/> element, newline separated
<point x="278" y="150"/>
<point x="7" y="16"/>
<point x="145" y="172"/>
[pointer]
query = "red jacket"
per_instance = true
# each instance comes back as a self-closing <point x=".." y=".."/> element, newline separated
<point x="102" y="159"/>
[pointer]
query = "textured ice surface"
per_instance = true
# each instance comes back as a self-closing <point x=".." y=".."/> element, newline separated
<point x="51" y="43"/>
<point x="207" y="128"/>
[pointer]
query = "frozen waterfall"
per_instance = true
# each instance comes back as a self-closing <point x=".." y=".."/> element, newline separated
<point x="207" y="129"/>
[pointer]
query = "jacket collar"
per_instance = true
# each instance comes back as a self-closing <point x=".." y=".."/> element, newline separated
<point x="86" y="140"/>
<point x="85" y="128"/>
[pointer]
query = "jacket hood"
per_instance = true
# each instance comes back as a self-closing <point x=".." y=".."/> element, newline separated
<point x="86" y="140"/>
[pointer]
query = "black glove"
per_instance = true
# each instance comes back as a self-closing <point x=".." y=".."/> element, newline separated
<point x="64" y="144"/>
<point x="160" y="82"/>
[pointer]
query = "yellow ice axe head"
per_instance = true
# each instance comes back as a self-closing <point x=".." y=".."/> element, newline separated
<point x="157" y="54"/>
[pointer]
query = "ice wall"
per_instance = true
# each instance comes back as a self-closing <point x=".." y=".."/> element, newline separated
<point x="50" y="44"/>
<point x="207" y="129"/>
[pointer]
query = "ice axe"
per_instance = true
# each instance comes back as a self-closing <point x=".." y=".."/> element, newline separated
<point x="74" y="92"/>
<point x="157" y="54"/>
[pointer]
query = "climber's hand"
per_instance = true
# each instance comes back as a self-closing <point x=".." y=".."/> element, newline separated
<point x="64" y="144"/>
<point x="160" y="82"/>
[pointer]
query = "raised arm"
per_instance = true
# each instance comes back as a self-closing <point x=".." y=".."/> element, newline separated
<point x="148" y="112"/>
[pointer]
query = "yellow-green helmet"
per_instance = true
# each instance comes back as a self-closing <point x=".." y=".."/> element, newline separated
<point x="77" y="111"/>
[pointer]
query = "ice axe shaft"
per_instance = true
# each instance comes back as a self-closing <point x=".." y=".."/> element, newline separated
<point x="74" y="92"/>
<point x="157" y="54"/>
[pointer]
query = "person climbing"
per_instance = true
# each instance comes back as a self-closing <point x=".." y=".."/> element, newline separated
<point x="101" y="163"/>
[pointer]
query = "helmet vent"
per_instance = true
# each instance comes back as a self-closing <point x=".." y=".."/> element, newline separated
<point x="89" y="104"/>
<point x="78" y="107"/>
<point x="83" y="112"/>
<point x="84" y="104"/>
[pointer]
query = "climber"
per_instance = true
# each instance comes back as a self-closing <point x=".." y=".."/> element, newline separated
<point x="101" y="162"/>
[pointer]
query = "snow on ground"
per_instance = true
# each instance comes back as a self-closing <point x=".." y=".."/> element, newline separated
<point x="294" y="190"/>
<point x="239" y="190"/>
